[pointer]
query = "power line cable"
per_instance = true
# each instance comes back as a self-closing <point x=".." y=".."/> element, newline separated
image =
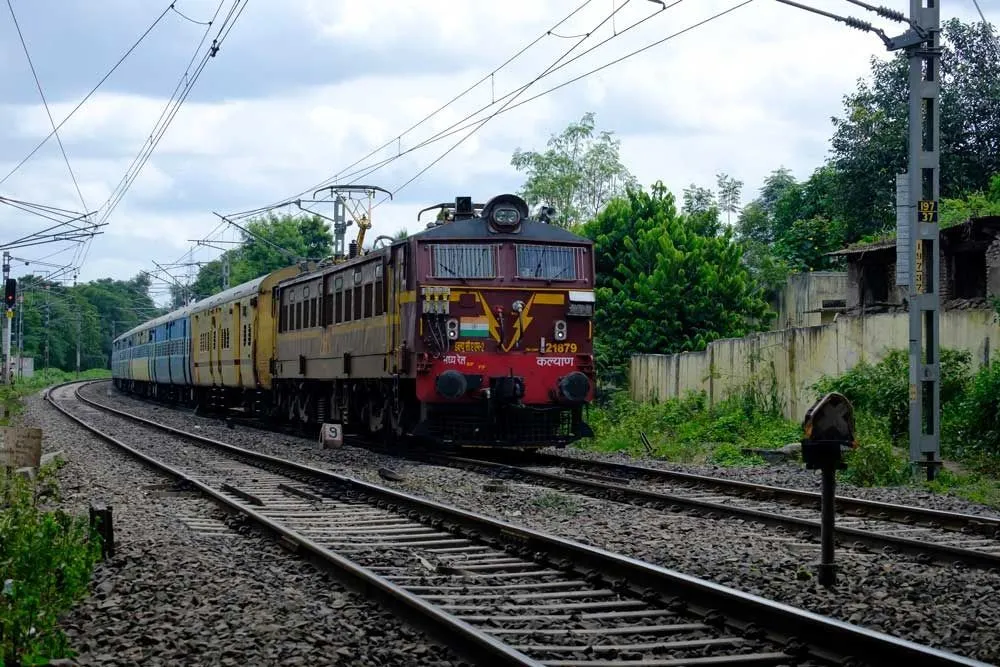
<point x="980" y="10"/>
<point x="454" y="128"/>
<point x="444" y="106"/>
<point x="45" y="103"/>
<point x="553" y="89"/>
<point x="88" y="95"/>
<point x="478" y="127"/>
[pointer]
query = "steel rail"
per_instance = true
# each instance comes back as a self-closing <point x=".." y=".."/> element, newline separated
<point x="455" y="632"/>
<point x="874" y="509"/>
<point x="802" y="632"/>
<point x="925" y="551"/>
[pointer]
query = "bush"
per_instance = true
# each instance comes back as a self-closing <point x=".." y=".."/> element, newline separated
<point x="883" y="388"/>
<point x="976" y="425"/>
<point x="46" y="561"/>
<point x="875" y="462"/>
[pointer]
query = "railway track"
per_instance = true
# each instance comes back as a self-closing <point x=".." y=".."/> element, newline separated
<point x="499" y="593"/>
<point x="929" y="535"/>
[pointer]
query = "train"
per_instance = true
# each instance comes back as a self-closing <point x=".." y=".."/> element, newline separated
<point x="476" y="331"/>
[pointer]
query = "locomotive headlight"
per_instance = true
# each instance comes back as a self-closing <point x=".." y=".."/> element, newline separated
<point x="560" y="330"/>
<point x="452" y="329"/>
<point x="506" y="217"/>
<point x="517" y="306"/>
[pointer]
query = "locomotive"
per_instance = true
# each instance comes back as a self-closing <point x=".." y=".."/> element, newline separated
<point x="475" y="332"/>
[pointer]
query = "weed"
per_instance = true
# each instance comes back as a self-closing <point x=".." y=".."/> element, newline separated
<point x="46" y="561"/>
<point x="553" y="500"/>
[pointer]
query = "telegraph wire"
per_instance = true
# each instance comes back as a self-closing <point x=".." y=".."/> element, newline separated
<point x="515" y="92"/>
<point x="980" y="10"/>
<point x="45" y="102"/>
<point x="475" y="129"/>
<point x="88" y="95"/>
<point x="185" y="16"/>
<point x="444" y="106"/>
<point x="598" y="69"/>
<point x="455" y="127"/>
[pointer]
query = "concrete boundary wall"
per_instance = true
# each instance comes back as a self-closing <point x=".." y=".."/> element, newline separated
<point x="800" y="356"/>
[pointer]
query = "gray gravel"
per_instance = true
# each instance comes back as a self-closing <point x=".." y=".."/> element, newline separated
<point x="948" y="607"/>
<point x="184" y="589"/>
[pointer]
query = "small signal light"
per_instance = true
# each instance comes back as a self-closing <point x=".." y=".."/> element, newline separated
<point x="10" y="292"/>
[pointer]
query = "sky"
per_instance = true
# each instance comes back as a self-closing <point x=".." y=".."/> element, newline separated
<point x="303" y="92"/>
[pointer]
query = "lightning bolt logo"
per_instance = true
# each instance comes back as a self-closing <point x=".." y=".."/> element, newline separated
<point x="521" y="324"/>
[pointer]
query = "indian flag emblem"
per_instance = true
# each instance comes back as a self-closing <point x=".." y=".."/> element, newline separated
<point x="474" y="327"/>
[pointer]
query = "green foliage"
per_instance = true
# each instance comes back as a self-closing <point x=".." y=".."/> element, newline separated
<point x="688" y="431"/>
<point x="883" y="388"/>
<point x="274" y="242"/>
<point x="977" y="426"/>
<point x="105" y="308"/>
<point x="975" y="486"/>
<point x="666" y="282"/>
<point x="875" y="462"/>
<point x="578" y="174"/>
<point x="869" y="141"/>
<point x="46" y="561"/>
<point x="10" y="396"/>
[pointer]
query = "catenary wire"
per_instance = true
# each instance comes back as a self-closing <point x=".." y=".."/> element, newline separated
<point x="89" y="94"/>
<point x="478" y="127"/>
<point x="444" y="106"/>
<point x="45" y="103"/>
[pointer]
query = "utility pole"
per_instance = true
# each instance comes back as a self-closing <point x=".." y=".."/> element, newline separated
<point x="918" y="256"/>
<point x="8" y="311"/>
<point x="918" y="235"/>
<point x="78" y="345"/>
<point x="20" y="336"/>
<point x="47" y="317"/>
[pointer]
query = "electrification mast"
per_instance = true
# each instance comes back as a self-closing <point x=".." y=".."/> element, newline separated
<point x="918" y="256"/>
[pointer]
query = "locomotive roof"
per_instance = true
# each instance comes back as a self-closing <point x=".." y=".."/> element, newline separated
<point x="475" y="229"/>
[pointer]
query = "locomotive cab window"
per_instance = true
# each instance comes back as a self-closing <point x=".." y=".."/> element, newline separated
<point x="545" y="262"/>
<point x="473" y="261"/>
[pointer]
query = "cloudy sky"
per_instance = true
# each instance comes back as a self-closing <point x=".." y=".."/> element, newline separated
<point x="301" y="90"/>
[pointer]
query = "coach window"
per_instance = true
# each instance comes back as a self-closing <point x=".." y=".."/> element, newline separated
<point x="357" y="294"/>
<point x="314" y="310"/>
<point x="328" y="303"/>
<point x="369" y="289"/>
<point x="348" y="300"/>
<point x="338" y="305"/>
<point x="379" y="290"/>
<point x="298" y="313"/>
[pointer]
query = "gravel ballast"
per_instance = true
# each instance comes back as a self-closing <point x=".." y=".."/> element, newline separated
<point x="184" y="589"/>
<point x="948" y="607"/>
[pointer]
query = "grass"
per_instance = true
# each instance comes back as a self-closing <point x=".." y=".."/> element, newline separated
<point x="10" y="396"/>
<point x="688" y="430"/>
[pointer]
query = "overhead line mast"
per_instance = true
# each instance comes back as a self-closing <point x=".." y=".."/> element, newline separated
<point x="918" y="235"/>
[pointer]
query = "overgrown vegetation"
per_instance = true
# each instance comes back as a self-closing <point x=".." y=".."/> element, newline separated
<point x="11" y="395"/>
<point x="46" y="561"/>
<point x="688" y="430"/>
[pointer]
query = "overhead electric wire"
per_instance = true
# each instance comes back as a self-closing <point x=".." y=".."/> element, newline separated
<point x="515" y="93"/>
<point x="475" y="129"/>
<point x="187" y="80"/>
<point x="455" y="127"/>
<point x="631" y="54"/>
<point x="45" y="103"/>
<point x="88" y="95"/>
<point x="440" y="108"/>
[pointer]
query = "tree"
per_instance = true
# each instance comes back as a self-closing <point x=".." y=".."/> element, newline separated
<point x="578" y="174"/>
<point x="869" y="143"/>
<point x="274" y="242"/>
<point x="663" y="285"/>
<point x="730" y="190"/>
<point x="698" y="199"/>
